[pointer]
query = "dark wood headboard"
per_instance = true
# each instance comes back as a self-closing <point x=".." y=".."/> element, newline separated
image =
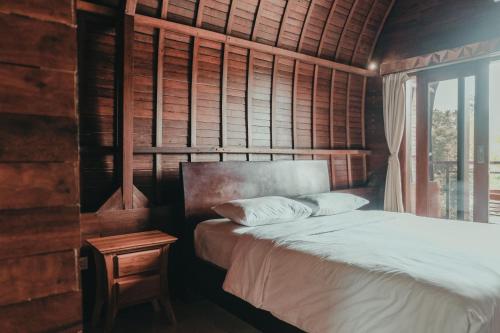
<point x="206" y="184"/>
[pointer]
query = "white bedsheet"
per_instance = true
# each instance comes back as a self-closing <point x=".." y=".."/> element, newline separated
<point x="372" y="271"/>
<point x="214" y="240"/>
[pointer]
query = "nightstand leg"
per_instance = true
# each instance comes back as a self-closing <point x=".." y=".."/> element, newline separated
<point x="112" y="294"/>
<point x="169" y="310"/>
<point x="100" y="278"/>
<point x="165" y="299"/>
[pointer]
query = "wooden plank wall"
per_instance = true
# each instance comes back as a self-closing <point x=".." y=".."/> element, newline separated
<point x="203" y="95"/>
<point x="192" y="108"/>
<point x="39" y="192"/>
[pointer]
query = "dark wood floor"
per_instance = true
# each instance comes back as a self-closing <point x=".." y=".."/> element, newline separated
<point x="195" y="317"/>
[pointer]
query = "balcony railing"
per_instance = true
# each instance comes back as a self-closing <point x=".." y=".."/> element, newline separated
<point x="445" y="172"/>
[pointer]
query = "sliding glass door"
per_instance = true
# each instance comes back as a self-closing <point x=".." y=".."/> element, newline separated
<point x="451" y="135"/>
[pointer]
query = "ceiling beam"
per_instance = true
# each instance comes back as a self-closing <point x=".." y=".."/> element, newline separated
<point x="286" y="12"/>
<point x="258" y="17"/>
<point x="327" y="23"/>
<point x="230" y="17"/>
<point x="344" y="29"/>
<point x="90" y="7"/>
<point x="239" y="42"/>
<point x="199" y="12"/>
<point x="304" y="26"/>
<point x="381" y="26"/>
<point x="361" y="33"/>
<point x="130" y="7"/>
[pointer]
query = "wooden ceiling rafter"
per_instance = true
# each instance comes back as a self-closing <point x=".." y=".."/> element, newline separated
<point x="284" y="18"/>
<point x="305" y="25"/>
<point x="159" y="100"/>
<point x="230" y="17"/>
<point x="284" y="23"/>
<point x="379" y="31"/>
<point x="325" y="27"/>
<point x="363" y="29"/>
<point x="244" y="43"/>
<point x="164" y="9"/>
<point x="344" y="28"/>
<point x="130" y="7"/>
<point x="199" y="12"/>
<point x="256" y="22"/>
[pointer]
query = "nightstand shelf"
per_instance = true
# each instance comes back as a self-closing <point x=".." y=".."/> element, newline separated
<point x="131" y="269"/>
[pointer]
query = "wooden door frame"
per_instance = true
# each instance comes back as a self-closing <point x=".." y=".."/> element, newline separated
<point x="479" y="69"/>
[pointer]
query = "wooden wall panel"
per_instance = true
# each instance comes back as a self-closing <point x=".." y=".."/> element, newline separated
<point x="355" y="121"/>
<point x="340" y="109"/>
<point x="261" y="100"/>
<point x="176" y="91"/>
<point x="322" y="110"/>
<point x="208" y="94"/>
<point x="97" y="110"/>
<point x="236" y="97"/>
<point x="50" y="314"/>
<point x="39" y="192"/>
<point x="221" y="96"/>
<point x="304" y="106"/>
<point x="284" y="90"/>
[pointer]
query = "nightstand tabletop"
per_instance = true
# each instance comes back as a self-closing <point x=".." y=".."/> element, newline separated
<point x="131" y="241"/>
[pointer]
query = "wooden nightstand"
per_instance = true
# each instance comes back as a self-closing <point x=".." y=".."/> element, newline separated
<point x="131" y="269"/>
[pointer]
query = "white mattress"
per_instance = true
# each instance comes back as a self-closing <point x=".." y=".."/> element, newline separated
<point x="215" y="239"/>
<point x="367" y="271"/>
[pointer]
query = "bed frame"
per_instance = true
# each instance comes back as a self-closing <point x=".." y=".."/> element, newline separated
<point x="206" y="184"/>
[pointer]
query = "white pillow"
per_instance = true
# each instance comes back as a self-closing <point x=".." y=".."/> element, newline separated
<point x="332" y="203"/>
<point x="264" y="210"/>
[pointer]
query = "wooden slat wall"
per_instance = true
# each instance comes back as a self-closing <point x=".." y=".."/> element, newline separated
<point x="39" y="194"/>
<point x="270" y="122"/>
<point x="219" y="94"/>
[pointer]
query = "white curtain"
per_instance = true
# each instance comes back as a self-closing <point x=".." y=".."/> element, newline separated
<point x="394" y="124"/>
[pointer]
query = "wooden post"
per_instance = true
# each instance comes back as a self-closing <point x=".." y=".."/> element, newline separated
<point x="249" y="110"/>
<point x="159" y="102"/>
<point x="223" y="111"/>
<point x="347" y="128"/>
<point x="194" y="93"/>
<point x="274" y="101"/>
<point x="294" y="104"/>
<point x="332" y="127"/>
<point x="128" y="111"/>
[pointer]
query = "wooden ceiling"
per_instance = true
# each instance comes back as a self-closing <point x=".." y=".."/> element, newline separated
<point x="341" y="30"/>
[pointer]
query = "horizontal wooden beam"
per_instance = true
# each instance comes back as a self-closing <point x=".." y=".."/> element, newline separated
<point x="130" y="7"/>
<point x="239" y="42"/>
<point x="244" y="150"/>
<point x="95" y="9"/>
<point x="470" y="52"/>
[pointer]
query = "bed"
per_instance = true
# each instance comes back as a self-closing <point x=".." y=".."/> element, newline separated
<point x="361" y="271"/>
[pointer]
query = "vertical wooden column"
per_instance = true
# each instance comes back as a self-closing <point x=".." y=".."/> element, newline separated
<point x="194" y="93"/>
<point x="481" y="141"/>
<point x="274" y="104"/>
<point x="332" y="127"/>
<point x="250" y="74"/>
<point x="363" y="133"/>
<point x="128" y="112"/>
<point x="422" y="168"/>
<point x="314" y="108"/>
<point x="347" y="128"/>
<point x="223" y="111"/>
<point x="294" y="103"/>
<point x="160" y="53"/>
